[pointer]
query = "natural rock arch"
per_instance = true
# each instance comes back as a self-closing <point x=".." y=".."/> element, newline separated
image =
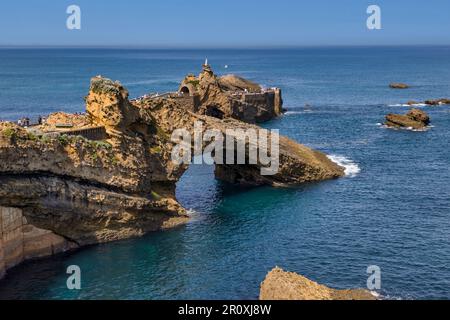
<point x="91" y="192"/>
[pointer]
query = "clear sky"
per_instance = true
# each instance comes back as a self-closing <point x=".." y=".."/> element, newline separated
<point x="224" y="23"/>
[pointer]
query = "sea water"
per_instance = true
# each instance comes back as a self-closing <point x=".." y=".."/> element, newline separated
<point x="391" y="210"/>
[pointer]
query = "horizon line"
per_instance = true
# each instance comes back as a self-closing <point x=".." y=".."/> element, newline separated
<point x="181" y="47"/>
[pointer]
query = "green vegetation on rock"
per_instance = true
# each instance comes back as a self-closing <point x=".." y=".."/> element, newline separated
<point x="9" y="133"/>
<point x="102" y="85"/>
<point x="155" y="150"/>
<point x="63" y="139"/>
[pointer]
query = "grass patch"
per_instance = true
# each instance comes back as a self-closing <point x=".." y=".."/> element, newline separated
<point x="155" y="150"/>
<point x="10" y="133"/>
<point x="155" y="195"/>
<point x="195" y="83"/>
<point x="100" y="145"/>
<point x="63" y="139"/>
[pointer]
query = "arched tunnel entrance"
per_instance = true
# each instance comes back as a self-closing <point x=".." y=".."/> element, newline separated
<point x="185" y="90"/>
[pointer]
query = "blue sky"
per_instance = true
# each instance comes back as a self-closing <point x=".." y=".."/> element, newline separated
<point x="224" y="23"/>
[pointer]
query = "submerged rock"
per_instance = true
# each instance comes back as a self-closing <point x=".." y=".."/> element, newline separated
<point x="397" y="85"/>
<point x="281" y="285"/>
<point x="415" y="119"/>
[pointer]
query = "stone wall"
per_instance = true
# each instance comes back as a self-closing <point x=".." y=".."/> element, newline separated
<point x="189" y="102"/>
<point x="20" y="241"/>
<point x="278" y="102"/>
<point x="93" y="133"/>
<point x="267" y="105"/>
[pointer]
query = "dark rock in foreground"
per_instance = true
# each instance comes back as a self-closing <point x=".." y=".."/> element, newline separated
<point x="281" y="285"/>
<point x="414" y="119"/>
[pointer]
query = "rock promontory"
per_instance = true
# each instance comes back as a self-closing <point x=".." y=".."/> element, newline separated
<point x="282" y="285"/>
<point x="110" y="176"/>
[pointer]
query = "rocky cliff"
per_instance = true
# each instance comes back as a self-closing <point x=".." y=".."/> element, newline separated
<point x="20" y="240"/>
<point x="93" y="191"/>
<point x="281" y="285"/>
<point x="83" y="191"/>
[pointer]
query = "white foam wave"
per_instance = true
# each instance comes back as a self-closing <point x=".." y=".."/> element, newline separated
<point x="351" y="168"/>
<point x="287" y="113"/>
<point x="193" y="215"/>
<point x="417" y="105"/>
<point x="191" y="212"/>
<point x="406" y="128"/>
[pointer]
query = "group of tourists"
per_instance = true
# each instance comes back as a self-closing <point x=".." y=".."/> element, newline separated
<point x="26" y="122"/>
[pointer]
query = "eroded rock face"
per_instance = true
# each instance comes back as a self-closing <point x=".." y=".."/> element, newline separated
<point x="93" y="191"/>
<point x="20" y="240"/>
<point x="88" y="191"/>
<point x="297" y="163"/>
<point x="281" y="285"/>
<point x="231" y="96"/>
<point x="414" y="119"/>
<point x="419" y="115"/>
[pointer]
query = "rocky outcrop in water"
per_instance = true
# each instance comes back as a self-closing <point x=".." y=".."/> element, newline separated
<point x="414" y="119"/>
<point x="91" y="191"/>
<point x="431" y="102"/>
<point x="437" y="102"/>
<point x="397" y="85"/>
<point x="281" y="285"/>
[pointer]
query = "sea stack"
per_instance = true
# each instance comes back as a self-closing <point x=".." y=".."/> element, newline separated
<point x="414" y="119"/>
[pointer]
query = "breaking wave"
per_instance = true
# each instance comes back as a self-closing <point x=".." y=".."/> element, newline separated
<point x="351" y="168"/>
<point x="381" y="125"/>
<point x="417" y="105"/>
<point x="287" y="113"/>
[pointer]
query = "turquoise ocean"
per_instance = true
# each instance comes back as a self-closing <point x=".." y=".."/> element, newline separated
<point x="391" y="210"/>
